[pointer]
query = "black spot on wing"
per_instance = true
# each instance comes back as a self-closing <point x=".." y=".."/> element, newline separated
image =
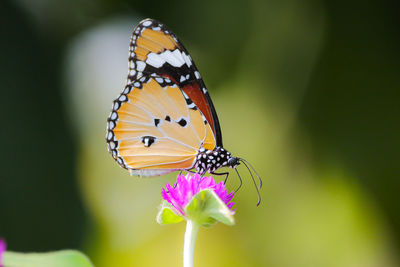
<point x="167" y="118"/>
<point x="182" y="122"/>
<point x="156" y="122"/>
<point x="148" y="140"/>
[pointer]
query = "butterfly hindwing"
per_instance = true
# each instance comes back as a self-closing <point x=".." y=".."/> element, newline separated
<point x="156" y="52"/>
<point x="152" y="129"/>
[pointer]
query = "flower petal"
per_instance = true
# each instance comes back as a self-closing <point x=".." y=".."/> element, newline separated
<point x="3" y="248"/>
<point x="188" y="187"/>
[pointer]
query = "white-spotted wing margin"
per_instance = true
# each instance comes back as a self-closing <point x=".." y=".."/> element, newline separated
<point x="149" y="173"/>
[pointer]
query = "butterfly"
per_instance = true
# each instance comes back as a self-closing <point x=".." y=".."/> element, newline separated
<point x="164" y="120"/>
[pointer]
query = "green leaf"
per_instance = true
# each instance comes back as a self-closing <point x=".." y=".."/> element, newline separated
<point x="63" y="258"/>
<point x="206" y="208"/>
<point x="167" y="215"/>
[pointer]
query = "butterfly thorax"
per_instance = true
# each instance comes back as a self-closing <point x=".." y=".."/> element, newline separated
<point x="211" y="160"/>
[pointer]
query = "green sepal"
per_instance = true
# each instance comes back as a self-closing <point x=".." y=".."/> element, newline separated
<point x="167" y="214"/>
<point x="206" y="208"/>
<point x="63" y="258"/>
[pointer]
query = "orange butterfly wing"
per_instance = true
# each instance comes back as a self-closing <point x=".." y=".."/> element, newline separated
<point x="152" y="130"/>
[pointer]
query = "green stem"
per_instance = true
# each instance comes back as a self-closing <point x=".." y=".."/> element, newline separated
<point x="192" y="229"/>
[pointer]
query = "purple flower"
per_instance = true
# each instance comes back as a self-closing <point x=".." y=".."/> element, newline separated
<point x="2" y="249"/>
<point x="187" y="186"/>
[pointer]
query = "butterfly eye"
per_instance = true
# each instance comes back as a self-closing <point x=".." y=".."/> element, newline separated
<point x="233" y="162"/>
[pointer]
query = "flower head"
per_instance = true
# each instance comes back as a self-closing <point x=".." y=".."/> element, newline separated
<point x="3" y="247"/>
<point x="188" y="186"/>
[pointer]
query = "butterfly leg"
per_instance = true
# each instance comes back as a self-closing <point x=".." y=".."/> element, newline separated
<point x="221" y="174"/>
<point x="180" y="173"/>
<point x="226" y="178"/>
<point x="201" y="178"/>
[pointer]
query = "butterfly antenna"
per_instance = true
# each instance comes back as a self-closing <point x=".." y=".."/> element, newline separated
<point x="254" y="170"/>
<point x="254" y="181"/>
<point x="240" y="179"/>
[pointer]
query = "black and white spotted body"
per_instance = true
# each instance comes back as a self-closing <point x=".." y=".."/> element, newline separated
<point x="211" y="160"/>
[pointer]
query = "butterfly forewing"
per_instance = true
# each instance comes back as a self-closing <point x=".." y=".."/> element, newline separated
<point x="152" y="128"/>
<point x="156" y="51"/>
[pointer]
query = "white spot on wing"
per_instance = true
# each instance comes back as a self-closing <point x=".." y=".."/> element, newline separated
<point x="140" y="65"/>
<point x="177" y="54"/>
<point x="197" y="74"/>
<point x="187" y="59"/>
<point x="111" y="125"/>
<point x="185" y="95"/>
<point x="155" y="60"/>
<point x="159" y="80"/>
<point x="147" y="23"/>
<point x="112" y="145"/>
<point x="172" y="58"/>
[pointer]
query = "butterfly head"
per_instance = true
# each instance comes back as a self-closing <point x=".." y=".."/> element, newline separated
<point x="233" y="162"/>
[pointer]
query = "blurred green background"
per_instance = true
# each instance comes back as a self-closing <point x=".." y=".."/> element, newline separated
<point x="307" y="91"/>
